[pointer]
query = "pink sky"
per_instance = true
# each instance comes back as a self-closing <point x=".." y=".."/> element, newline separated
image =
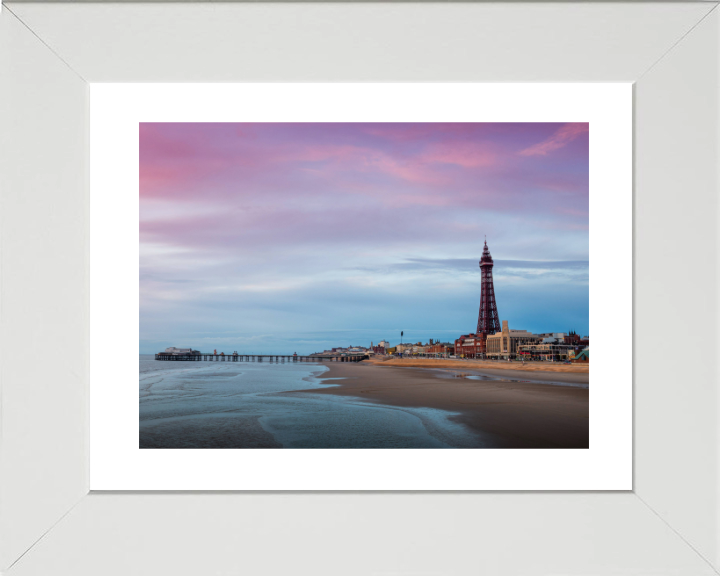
<point x="232" y="211"/>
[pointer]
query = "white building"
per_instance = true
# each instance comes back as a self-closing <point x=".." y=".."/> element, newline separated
<point x="173" y="350"/>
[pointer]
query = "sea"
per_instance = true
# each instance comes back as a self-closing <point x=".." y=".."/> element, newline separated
<point x="256" y="405"/>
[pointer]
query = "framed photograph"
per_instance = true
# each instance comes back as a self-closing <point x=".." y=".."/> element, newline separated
<point x="239" y="193"/>
<point x="314" y="222"/>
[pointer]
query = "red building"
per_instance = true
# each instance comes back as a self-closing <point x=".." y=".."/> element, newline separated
<point x="441" y="348"/>
<point x="572" y="338"/>
<point x="471" y="345"/>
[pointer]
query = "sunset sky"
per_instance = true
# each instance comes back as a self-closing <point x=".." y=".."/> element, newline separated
<point x="282" y="238"/>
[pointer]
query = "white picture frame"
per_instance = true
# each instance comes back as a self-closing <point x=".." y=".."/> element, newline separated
<point x="50" y="523"/>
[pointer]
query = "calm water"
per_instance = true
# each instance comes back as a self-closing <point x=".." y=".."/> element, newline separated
<point x="251" y="405"/>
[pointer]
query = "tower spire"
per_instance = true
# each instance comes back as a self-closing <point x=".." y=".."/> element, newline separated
<point x="488" y="320"/>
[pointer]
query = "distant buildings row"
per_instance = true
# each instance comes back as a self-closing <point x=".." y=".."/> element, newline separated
<point x="520" y="344"/>
<point x="508" y="344"/>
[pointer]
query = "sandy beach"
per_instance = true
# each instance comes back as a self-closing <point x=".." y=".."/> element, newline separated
<point x="517" y="408"/>
<point x="485" y="365"/>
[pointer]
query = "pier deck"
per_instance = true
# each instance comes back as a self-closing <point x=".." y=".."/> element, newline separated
<point x="280" y="358"/>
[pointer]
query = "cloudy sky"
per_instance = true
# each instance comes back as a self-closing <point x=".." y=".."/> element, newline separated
<point x="285" y="238"/>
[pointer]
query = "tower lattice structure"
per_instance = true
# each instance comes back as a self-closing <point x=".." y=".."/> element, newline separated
<point x="488" y="320"/>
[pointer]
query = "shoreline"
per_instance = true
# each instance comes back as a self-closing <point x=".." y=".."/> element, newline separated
<point x="516" y="413"/>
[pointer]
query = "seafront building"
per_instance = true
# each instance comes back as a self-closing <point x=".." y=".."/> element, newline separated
<point x="547" y="352"/>
<point x="573" y="338"/>
<point x="381" y="347"/>
<point x="582" y="356"/>
<point x="444" y="349"/>
<point x="470" y="346"/>
<point x="505" y="344"/>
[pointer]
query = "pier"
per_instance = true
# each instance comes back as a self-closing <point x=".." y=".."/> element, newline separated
<point x="278" y="358"/>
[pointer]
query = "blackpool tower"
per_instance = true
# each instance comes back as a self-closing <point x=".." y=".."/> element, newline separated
<point x="488" y="321"/>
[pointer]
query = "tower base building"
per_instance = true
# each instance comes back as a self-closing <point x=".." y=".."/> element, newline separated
<point x="504" y="345"/>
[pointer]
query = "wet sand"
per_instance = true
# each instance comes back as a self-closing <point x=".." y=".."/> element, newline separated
<point x="485" y="365"/>
<point x="514" y="414"/>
